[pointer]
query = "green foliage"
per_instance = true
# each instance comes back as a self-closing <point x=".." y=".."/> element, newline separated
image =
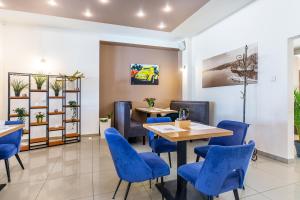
<point x="40" y="80"/>
<point x="39" y="117"/>
<point x="73" y="105"/>
<point x="297" y="111"/>
<point x="56" y="87"/>
<point x="18" y="86"/>
<point x="21" y="112"/>
<point x="150" y="101"/>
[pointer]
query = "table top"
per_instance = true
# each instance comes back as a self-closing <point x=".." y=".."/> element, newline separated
<point x="156" y="110"/>
<point x="10" y="129"/>
<point x="188" y="133"/>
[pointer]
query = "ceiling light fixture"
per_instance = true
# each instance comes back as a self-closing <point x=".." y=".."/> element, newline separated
<point x="52" y="3"/>
<point x="2" y="5"/>
<point x="88" y="13"/>
<point x="162" y="25"/>
<point x="104" y="1"/>
<point x="140" y="13"/>
<point x="167" y="8"/>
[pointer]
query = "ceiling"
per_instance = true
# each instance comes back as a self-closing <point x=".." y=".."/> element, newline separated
<point x="118" y="12"/>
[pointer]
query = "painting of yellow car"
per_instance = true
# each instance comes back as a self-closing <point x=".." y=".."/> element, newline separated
<point x="144" y="74"/>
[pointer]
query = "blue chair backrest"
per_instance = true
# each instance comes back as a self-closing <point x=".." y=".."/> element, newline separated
<point x="222" y="163"/>
<point x="151" y="120"/>
<point x="129" y="165"/>
<point x="15" y="137"/>
<point x="239" y="133"/>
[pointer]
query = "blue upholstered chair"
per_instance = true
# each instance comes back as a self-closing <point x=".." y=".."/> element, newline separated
<point x="132" y="166"/>
<point x="239" y="133"/>
<point x="223" y="170"/>
<point x="10" y="146"/>
<point x="161" y="145"/>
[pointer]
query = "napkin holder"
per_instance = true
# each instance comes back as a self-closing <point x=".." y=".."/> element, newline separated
<point x="183" y="123"/>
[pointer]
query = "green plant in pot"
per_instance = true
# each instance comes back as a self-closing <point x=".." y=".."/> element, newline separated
<point x="39" y="117"/>
<point x="18" y="86"/>
<point x="297" y="120"/>
<point x="150" y="101"/>
<point x="21" y="114"/>
<point x="73" y="106"/>
<point x="56" y="87"/>
<point x="39" y="80"/>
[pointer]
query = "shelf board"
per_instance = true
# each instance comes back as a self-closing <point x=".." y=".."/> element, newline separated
<point x="56" y="97"/>
<point x="38" y="107"/>
<point x="56" y="113"/>
<point x="55" y="143"/>
<point x="72" y="135"/>
<point x="24" y="148"/>
<point x="71" y="91"/>
<point x="71" y="120"/>
<point x="16" y="115"/>
<point x="68" y="106"/>
<point x="36" y="90"/>
<point x="38" y="124"/>
<point x="56" y="128"/>
<point x="38" y="140"/>
<point x="21" y="97"/>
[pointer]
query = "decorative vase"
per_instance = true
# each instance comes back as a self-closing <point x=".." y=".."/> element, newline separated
<point x="39" y="87"/>
<point x="105" y="123"/>
<point x="17" y="93"/>
<point x="56" y="93"/>
<point x="297" y="146"/>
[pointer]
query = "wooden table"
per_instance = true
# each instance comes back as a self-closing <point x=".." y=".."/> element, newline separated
<point x="156" y="111"/>
<point x="3" y="132"/>
<point x="178" y="189"/>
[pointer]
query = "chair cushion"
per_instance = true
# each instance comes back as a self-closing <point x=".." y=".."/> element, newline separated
<point x="162" y="145"/>
<point x="7" y="150"/>
<point x="190" y="172"/>
<point x="159" y="167"/>
<point x="202" y="150"/>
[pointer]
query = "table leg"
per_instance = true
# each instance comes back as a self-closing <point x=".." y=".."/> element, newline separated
<point x="2" y="186"/>
<point x="181" y="160"/>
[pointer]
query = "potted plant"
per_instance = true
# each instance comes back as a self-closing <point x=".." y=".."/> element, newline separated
<point x="105" y="123"/>
<point x="18" y="86"/>
<point x="297" y="120"/>
<point x="40" y="80"/>
<point x="182" y="120"/>
<point x="21" y="113"/>
<point x="73" y="78"/>
<point x="56" y="87"/>
<point x="39" y="117"/>
<point x="73" y="106"/>
<point x="150" y="101"/>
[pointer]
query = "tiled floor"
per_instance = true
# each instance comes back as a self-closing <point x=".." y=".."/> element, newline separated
<point x="84" y="171"/>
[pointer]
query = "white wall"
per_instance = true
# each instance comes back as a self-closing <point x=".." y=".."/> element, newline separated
<point x="270" y="24"/>
<point x="65" y="51"/>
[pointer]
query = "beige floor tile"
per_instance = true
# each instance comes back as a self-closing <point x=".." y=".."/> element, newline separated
<point x="21" y="191"/>
<point x="289" y="192"/>
<point x="256" y="197"/>
<point x="67" y="188"/>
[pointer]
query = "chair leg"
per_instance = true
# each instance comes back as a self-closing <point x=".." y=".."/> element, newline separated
<point x="244" y="187"/>
<point x="236" y="194"/>
<point x="117" y="188"/>
<point x="170" y="161"/>
<point x="150" y="183"/>
<point x="144" y="140"/>
<point x="127" y="191"/>
<point x="162" y="180"/>
<point x="210" y="198"/>
<point x="198" y="158"/>
<point x="7" y="169"/>
<point x="20" y="161"/>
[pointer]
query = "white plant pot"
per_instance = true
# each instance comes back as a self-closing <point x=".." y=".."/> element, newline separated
<point x="71" y="85"/>
<point x="104" y="126"/>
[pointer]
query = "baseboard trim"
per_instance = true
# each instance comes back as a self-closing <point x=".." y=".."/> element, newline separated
<point x="274" y="157"/>
<point x="90" y="135"/>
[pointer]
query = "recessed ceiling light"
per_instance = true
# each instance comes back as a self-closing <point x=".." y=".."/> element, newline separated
<point x="104" y="1"/>
<point x="88" y="13"/>
<point x="2" y="5"/>
<point x="162" y="25"/>
<point x="167" y="8"/>
<point x="140" y="13"/>
<point x="52" y="3"/>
